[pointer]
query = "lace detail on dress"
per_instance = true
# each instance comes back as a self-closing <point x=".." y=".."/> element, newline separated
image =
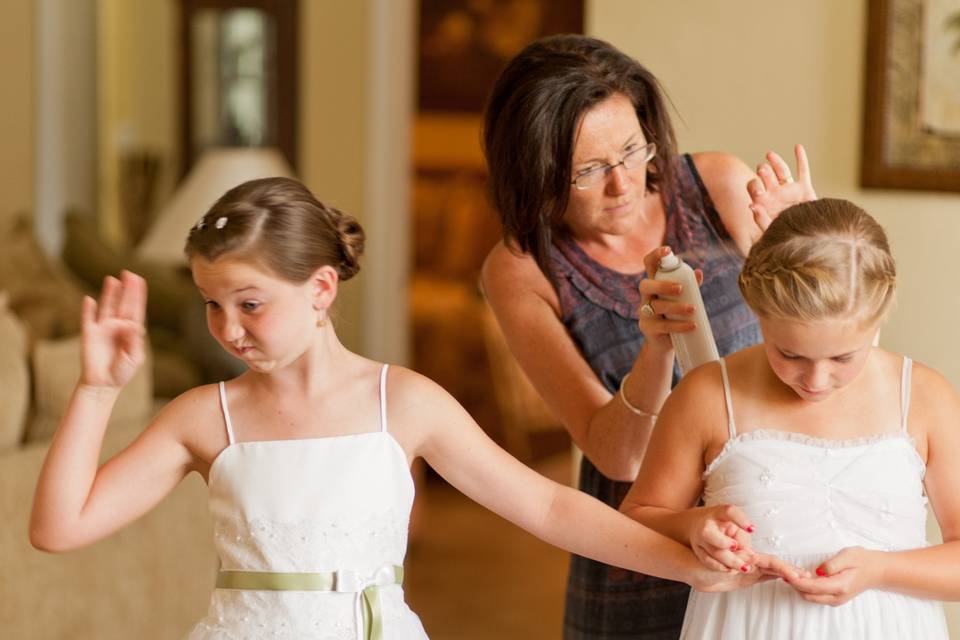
<point x="311" y="545"/>
<point x="810" y="441"/>
<point x="256" y="615"/>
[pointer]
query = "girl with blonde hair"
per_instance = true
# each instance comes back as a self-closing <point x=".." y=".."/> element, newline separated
<point x="829" y="447"/>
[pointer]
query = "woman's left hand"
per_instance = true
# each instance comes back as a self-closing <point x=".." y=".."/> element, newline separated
<point x="774" y="189"/>
<point x="841" y="578"/>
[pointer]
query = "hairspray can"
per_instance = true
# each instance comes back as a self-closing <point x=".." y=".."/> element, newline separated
<point x="693" y="348"/>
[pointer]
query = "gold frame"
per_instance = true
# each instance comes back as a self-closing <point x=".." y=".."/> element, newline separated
<point x="898" y="152"/>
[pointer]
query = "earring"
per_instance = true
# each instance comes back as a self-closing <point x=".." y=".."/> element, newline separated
<point x="322" y="318"/>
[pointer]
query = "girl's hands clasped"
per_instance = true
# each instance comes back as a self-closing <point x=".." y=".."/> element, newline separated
<point x="765" y="567"/>
<point x="113" y="332"/>
<point x="720" y="538"/>
<point x="839" y="579"/>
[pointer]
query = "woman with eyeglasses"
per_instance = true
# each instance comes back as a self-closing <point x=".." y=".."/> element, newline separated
<point x="590" y="191"/>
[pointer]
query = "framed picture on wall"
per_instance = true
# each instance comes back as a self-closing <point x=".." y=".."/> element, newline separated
<point x="911" y="135"/>
<point x="465" y="44"/>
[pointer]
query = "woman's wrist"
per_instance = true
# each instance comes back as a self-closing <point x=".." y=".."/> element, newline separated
<point x="653" y="354"/>
<point x="622" y="394"/>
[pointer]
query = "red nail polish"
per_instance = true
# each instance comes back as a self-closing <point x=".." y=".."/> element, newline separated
<point x="744" y="568"/>
<point x="734" y="546"/>
<point x="821" y="572"/>
<point x="749" y="528"/>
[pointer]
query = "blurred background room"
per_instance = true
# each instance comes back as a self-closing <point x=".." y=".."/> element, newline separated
<point x="124" y="120"/>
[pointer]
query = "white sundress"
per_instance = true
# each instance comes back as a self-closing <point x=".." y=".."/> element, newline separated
<point x="809" y="498"/>
<point x="311" y="535"/>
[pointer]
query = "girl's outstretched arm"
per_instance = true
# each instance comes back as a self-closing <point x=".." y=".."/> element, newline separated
<point x="75" y="502"/>
<point x="435" y="426"/>
<point x="931" y="572"/>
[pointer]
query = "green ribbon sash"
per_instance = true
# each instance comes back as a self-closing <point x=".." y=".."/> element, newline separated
<point x="367" y="588"/>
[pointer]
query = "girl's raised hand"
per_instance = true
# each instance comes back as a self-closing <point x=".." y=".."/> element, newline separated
<point x="720" y="538"/>
<point x="774" y="189"/>
<point x="112" y="346"/>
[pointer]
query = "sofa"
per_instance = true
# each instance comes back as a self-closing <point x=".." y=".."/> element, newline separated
<point x="152" y="579"/>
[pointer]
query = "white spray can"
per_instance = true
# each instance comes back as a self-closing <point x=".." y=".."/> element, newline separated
<point x="692" y="348"/>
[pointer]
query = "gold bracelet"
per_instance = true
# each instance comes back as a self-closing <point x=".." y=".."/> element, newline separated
<point x="626" y="403"/>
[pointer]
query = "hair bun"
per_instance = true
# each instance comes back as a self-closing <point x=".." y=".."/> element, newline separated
<point x="352" y="241"/>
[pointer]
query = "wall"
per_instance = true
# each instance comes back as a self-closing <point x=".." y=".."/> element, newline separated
<point x="748" y="76"/>
<point x="138" y="96"/>
<point x="17" y="97"/>
<point x="356" y="79"/>
<point x="66" y="115"/>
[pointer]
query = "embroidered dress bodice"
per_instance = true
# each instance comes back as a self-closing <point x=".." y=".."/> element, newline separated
<point x="809" y="498"/>
<point x="310" y="506"/>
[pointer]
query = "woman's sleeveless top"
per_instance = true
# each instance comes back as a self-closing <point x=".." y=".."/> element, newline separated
<point x="599" y="309"/>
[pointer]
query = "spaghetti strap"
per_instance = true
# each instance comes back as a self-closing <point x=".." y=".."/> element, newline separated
<point x="727" y="396"/>
<point x="383" y="398"/>
<point x="905" y="392"/>
<point x="226" y="413"/>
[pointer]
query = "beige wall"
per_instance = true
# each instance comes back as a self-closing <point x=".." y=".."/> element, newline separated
<point x="332" y="138"/>
<point x="17" y="97"/>
<point x="138" y="95"/>
<point x="355" y="115"/>
<point x="747" y="76"/>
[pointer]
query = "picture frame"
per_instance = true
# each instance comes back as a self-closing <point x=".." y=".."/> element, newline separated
<point x="464" y="45"/>
<point x="911" y="125"/>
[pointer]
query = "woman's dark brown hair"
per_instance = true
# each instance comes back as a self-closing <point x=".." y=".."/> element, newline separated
<point x="279" y="224"/>
<point x="531" y="121"/>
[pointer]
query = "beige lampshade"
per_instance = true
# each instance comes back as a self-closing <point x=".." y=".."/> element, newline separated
<point x="217" y="171"/>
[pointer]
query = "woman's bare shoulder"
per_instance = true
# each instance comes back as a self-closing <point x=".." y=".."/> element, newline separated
<point x="509" y="274"/>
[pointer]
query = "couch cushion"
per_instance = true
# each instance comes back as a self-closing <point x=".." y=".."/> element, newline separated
<point x="14" y="377"/>
<point x="42" y="294"/>
<point x="56" y="369"/>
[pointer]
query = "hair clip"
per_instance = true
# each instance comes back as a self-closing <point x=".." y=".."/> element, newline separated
<point x="221" y="222"/>
<point x="199" y="224"/>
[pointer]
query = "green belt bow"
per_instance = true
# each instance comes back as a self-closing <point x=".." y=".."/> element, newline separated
<point x="367" y="588"/>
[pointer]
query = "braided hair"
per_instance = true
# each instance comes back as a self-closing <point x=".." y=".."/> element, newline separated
<point x="823" y="259"/>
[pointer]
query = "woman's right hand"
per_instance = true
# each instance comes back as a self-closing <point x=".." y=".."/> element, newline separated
<point x="113" y="332"/>
<point x="720" y="538"/>
<point x="656" y="329"/>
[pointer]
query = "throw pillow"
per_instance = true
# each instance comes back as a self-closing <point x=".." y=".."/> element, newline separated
<point x="91" y="259"/>
<point x="42" y="295"/>
<point x="14" y="377"/>
<point x="56" y="369"/>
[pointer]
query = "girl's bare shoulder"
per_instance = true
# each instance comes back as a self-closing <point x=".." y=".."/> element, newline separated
<point x="195" y="419"/>
<point x="932" y="391"/>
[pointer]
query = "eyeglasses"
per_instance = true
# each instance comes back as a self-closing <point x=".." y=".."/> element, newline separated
<point x="634" y="159"/>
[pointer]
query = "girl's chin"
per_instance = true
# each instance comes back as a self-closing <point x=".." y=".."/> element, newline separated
<point x="812" y="396"/>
